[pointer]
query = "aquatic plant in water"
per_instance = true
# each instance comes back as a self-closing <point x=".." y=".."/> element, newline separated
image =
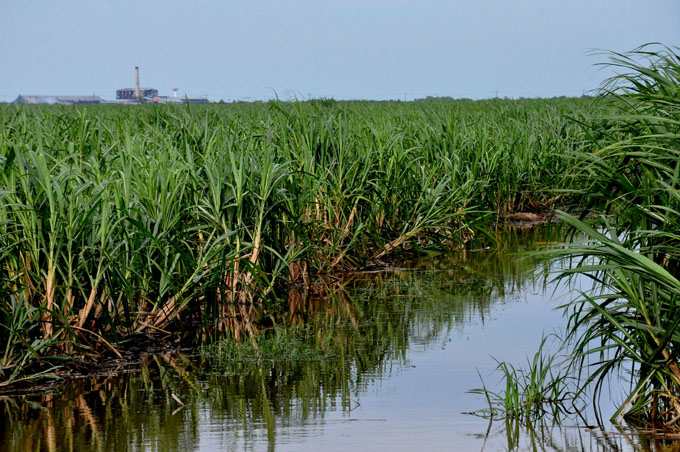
<point x="543" y="387"/>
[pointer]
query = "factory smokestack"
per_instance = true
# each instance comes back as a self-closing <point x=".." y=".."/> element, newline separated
<point x="138" y="93"/>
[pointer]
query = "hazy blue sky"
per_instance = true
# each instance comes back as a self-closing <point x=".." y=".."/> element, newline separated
<point x="233" y="49"/>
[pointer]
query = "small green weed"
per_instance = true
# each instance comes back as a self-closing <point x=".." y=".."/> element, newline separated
<point x="544" y="387"/>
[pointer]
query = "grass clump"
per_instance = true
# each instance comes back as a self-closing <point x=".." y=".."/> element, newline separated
<point x="542" y="387"/>
<point x="276" y="346"/>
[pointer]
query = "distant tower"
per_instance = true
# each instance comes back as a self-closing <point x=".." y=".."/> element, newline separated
<point x="138" y="92"/>
<point x="175" y="90"/>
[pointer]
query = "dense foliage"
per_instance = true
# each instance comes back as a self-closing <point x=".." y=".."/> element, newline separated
<point x="121" y="219"/>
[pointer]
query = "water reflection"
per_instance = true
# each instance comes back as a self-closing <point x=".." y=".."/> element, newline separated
<point x="523" y="437"/>
<point x="400" y="349"/>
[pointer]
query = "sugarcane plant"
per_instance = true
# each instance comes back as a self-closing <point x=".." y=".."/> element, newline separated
<point x="629" y="210"/>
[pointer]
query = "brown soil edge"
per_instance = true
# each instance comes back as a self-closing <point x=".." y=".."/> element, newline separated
<point x="138" y="346"/>
<point x="133" y="348"/>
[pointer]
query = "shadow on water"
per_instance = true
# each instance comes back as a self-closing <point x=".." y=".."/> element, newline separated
<point x="351" y="340"/>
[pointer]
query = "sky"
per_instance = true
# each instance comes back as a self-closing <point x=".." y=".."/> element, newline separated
<point x="349" y="49"/>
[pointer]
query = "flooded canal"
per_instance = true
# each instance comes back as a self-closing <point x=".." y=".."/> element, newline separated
<point x="399" y="351"/>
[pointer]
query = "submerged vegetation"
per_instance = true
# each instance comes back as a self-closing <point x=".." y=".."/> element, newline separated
<point x="120" y="220"/>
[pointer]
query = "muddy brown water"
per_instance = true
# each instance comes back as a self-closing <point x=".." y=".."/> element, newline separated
<point x="402" y="348"/>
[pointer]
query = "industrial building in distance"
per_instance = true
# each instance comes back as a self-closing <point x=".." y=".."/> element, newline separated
<point x="134" y="95"/>
<point x="129" y="93"/>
